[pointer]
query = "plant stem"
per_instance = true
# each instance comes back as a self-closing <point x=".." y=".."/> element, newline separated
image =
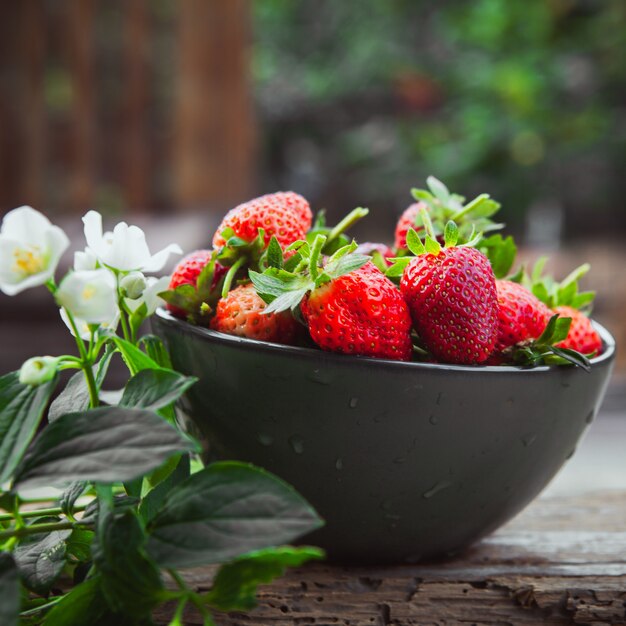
<point x="316" y="249"/>
<point x="230" y="275"/>
<point x="41" y="512"/>
<point x="87" y="369"/>
<point x="42" y="607"/>
<point x="35" y="529"/>
<point x="346" y="222"/>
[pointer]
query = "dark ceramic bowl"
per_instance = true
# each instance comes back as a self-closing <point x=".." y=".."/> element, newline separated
<point x="404" y="461"/>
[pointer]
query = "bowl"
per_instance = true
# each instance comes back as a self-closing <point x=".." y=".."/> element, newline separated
<point x="404" y="461"/>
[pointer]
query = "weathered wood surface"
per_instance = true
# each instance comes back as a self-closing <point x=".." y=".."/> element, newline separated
<point x="562" y="561"/>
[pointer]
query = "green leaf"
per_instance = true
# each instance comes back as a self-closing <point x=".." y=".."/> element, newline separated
<point x="70" y="495"/>
<point x="235" y="584"/>
<point x="450" y="234"/>
<point x="267" y="283"/>
<point x="78" y="544"/>
<point x="41" y="560"/>
<point x="398" y="267"/>
<point x="346" y="264"/>
<point x="154" y="499"/>
<point x="9" y="591"/>
<point x="583" y="299"/>
<point x="414" y="243"/>
<point x="286" y="301"/>
<point x="84" y="604"/>
<point x="75" y="397"/>
<point x="572" y="356"/>
<point x="224" y="510"/>
<point x="107" y="444"/>
<point x="156" y="350"/>
<point x="155" y="388"/>
<point x="432" y="246"/>
<point x="129" y="580"/>
<point x="439" y="190"/>
<point x="274" y="253"/>
<point x="135" y="359"/>
<point x="501" y="253"/>
<point x="21" y="408"/>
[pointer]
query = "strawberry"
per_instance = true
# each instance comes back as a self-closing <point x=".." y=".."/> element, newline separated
<point x="347" y="303"/>
<point x="241" y="313"/>
<point x="284" y="214"/>
<point x="451" y="293"/>
<point x="521" y="315"/>
<point x="443" y="206"/>
<point x="361" y="312"/>
<point x="188" y="289"/>
<point x="407" y="220"/>
<point x="582" y="336"/>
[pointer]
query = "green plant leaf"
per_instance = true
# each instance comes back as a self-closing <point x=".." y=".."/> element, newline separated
<point x="107" y="444"/>
<point x="68" y="498"/>
<point x="155" y="388"/>
<point x="345" y="264"/>
<point x="41" y="560"/>
<point x="152" y="502"/>
<point x="78" y="544"/>
<point x="235" y="584"/>
<point x="75" y="397"/>
<point x="135" y="359"/>
<point x="439" y="190"/>
<point x="84" y="604"/>
<point x="414" y="243"/>
<point x="156" y="350"/>
<point x="21" y="408"/>
<point x="501" y="253"/>
<point x="224" y="510"/>
<point x="9" y="591"/>
<point x="274" y="253"/>
<point x="129" y="580"/>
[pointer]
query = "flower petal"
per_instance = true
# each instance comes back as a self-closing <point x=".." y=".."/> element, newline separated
<point x="157" y="261"/>
<point x="26" y="225"/>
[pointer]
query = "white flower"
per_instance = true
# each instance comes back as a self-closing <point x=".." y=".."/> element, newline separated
<point x="83" y="327"/>
<point x="154" y="286"/>
<point x="85" y="260"/>
<point x="38" y="370"/>
<point x="133" y="285"/>
<point x="124" y="249"/>
<point x="30" y="249"/>
<point x="89" y="295"/>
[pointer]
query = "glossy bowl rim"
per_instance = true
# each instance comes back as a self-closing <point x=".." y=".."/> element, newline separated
<point x="266" y="346"/>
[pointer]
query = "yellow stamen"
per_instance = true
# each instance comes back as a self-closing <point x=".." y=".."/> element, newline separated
<point x="89" y="292"/>
<point x="28" y="261"/>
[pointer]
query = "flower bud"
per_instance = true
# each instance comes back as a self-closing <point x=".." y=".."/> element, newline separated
<point x="38" y="370"/>
<point x="133" y="285"/>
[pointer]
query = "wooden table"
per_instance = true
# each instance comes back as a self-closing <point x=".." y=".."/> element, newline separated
<point x="562" y="561"/>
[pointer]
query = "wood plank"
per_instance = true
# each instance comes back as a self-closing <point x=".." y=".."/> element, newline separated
<point x="562" y="561"/>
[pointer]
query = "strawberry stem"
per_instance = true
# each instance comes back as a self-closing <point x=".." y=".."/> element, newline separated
<point x="316" y="249"/>
<point x="352" y="217"/>
<point x="230" y="275"/>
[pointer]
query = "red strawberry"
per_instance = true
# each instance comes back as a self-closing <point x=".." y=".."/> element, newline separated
<point x="451" y="293"/>
<point x="408" y="220"/>
<point x="521" y="315"/>
<point x="186" y="273"/>
<point x="582" y="336"/>
<point x="241" y="313"/>
<point x="361" y="312"/>
<point x="284" y="214"/>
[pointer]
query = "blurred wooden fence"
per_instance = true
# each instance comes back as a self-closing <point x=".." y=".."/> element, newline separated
<point x="141" y="105"/>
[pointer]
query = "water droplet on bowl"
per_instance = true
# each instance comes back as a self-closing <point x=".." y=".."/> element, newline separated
<point x="570" y="454"/>
<point x="339" y="464"/>
<point x="353" y="402"/>
<point x="399" y="460"/>
<point x="433" y="419"/>
<point x="320" y="376"/>
<point x="297" y="444"/>
<point x="264" y="439"/>
<point x="386" y="505"/>
<point x="439" y="396"/>
<point x="435" y="489"/>
<point x="529" y="439"/>
<point x="590" y="417"/>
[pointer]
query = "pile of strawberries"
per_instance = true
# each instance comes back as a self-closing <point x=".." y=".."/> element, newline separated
<point x="443" y="294"/>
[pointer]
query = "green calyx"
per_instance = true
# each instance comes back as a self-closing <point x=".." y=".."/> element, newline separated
<point x="554" y="293"/>
<point x="543" y="350"/>
<point x="283" y="286"/>
<point x="444" y="206"/>
<point x="431" y="244"/>
<point x="198" y="300"/>
<point x="335" y="236"/>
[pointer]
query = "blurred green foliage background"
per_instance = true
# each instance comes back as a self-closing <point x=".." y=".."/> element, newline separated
<point x="359" y="101"/>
